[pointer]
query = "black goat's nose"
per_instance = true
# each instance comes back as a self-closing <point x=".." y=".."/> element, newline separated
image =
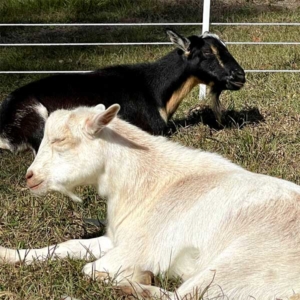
<point x="238" y="75"/>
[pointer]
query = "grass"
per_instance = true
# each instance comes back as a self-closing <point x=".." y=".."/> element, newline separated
<point x="268" y="143"/>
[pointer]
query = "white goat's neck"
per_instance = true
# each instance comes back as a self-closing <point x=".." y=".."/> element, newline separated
<point x="137" y="168"/>
<point x="143" y="168"/>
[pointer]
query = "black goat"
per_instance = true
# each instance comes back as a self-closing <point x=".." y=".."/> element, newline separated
<point x="148" y="93"/>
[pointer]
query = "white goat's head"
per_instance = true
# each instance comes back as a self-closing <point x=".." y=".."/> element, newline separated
<point x="69" y="155"/>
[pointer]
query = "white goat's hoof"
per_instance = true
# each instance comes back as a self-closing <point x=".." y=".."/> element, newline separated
<point x="89" y="270"/>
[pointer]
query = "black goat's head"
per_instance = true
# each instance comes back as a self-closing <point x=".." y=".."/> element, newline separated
<point x="209" y="60"/>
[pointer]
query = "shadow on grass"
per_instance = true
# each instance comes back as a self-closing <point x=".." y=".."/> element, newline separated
<point x="230" y="119"/>
<point x="93" y="228"/>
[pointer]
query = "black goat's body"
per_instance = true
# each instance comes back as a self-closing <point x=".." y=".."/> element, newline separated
<point x="148" y="95"/>
<point x="107" y="86"/>
<point x="125" y="85"/>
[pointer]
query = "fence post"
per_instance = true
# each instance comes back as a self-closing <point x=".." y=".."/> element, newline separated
<point x="205" y="27"/>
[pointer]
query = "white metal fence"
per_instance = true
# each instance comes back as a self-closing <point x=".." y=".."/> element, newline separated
<point x="139" y="43"/>
<point x="205" y="27"/>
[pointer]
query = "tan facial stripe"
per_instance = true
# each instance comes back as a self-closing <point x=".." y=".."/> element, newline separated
<point x="179" y="94"/>
<point x="216" y="53"/>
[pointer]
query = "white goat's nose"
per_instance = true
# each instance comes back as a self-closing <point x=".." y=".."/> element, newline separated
<point x="33" y="181"/>
<point x="29" y="175"/>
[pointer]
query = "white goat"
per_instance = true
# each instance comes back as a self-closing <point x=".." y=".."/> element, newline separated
<point x="170" y="209"/>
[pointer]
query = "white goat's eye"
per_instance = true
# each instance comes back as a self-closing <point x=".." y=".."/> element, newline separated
<point x="57" y="140"/>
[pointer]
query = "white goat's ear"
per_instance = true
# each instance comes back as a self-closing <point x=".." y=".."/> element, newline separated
<point x="102" y="119"/>
<point x="180" y="41"/>
<point x="100" y="107"/>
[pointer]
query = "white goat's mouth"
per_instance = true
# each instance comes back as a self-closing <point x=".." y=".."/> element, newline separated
<point x="35" y="186"/>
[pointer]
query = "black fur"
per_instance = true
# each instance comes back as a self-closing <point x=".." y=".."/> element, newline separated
<point x="141" y="89"/>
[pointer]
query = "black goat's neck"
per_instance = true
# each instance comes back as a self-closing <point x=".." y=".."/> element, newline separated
<point x="172" y="83"/>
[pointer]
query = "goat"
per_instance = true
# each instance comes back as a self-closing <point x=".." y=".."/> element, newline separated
<point x="149" y="93"/>
<point x="170" y="209"/>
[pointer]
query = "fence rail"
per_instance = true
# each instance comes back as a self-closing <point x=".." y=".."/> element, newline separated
<point x="138" y="43"/>
<point x="145" y="24"/>
<point x="70" y="72"/>
<point x="134" y="44"/>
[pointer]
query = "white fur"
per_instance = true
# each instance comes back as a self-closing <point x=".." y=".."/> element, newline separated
<point x="41" y="110"/>
<point x="21" y="113"/>
<point x="5" y="144"/>
<point x="213" y="35"/>
<point x="170" y="209"/>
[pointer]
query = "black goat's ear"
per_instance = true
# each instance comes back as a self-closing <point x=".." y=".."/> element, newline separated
<point x="180" y="41"/>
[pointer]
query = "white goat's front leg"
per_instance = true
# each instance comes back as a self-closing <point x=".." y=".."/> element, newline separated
<point x="197" y="287"/>
<point x="79" y="249"/>
<point x="127" y="275"/>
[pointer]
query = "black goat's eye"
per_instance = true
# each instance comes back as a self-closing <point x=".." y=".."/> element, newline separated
<point x="207" y="52"/>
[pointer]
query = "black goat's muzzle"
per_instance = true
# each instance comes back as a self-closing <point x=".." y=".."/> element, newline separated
<point x="236" y="80"/>
<point x="234" y="85"/>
